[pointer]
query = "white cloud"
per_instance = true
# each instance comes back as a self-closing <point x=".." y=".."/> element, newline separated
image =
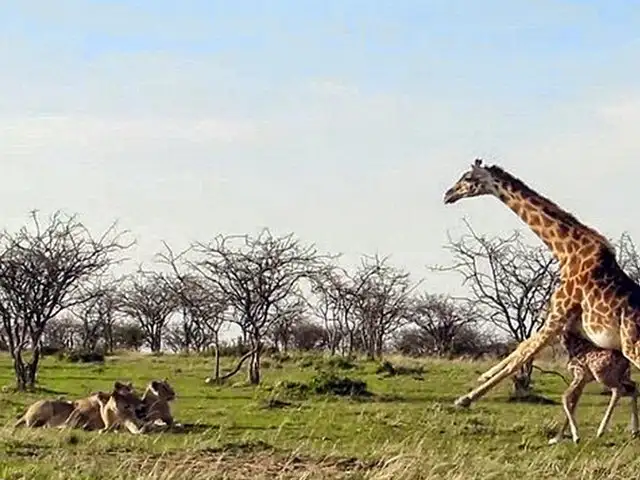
<point x="71" y="130"/>
<point x="333" y="88"/>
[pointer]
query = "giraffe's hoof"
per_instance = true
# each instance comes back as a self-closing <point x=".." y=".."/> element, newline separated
<point x="554" y="441"/>
<point x="462" y="402"/>
<point x="635" y="434"/>
<point x="576" y="440"/>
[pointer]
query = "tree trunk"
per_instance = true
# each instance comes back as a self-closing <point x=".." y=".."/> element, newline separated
<point x="522" y="381"/>
<point x="32" y="368"/>
<point x="254" y="363"/>
<point x="371" y="354"/>
<point x="379" y="347"/>
<point x="188" y="338"/>
<point x="332" y="347"/>
<point x="216" y="366"/>
<point x="237" y="368"/>
<point x="156" y="342"/>
<point x="90" y="341"/>
<point x="108" y="338"/>
<point x="20" y="370"/>
<point x="254" y="369"/>
<point x="370" y="345"/>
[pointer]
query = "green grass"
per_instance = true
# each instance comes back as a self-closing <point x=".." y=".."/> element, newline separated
<point x="407" y="429"/>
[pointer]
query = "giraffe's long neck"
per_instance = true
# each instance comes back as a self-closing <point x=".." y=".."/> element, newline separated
<point x="558" y="229"/>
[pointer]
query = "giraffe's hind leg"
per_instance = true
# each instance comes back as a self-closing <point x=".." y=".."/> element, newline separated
<point x="631" y="389"/>
<point x="630" y="336"/>
<point x="555" y="323"/>
<point x="634" y="411"/>
<point x="630" y="341"/>
<point x="525" y="351"/>
<point x="615" y="395"/>
<point x="574" y="315"/>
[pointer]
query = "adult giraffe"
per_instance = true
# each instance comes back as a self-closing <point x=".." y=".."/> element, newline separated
<point x="595" y="298"/>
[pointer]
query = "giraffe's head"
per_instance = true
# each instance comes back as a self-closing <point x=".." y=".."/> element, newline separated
<point x="475" y="182"/>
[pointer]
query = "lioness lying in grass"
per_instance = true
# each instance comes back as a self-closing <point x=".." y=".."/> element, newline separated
<point x="155" y="408"/>
<point x="119" y="410"/>
<point x="46" y="413"/>
<point x="86" y="414"/>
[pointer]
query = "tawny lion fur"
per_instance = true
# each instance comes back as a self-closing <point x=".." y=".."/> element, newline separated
<point x="155" y="402"/>
<point x="119" y="410"/>
<point x="46" y="413"/>
<point x="86" y="412"/>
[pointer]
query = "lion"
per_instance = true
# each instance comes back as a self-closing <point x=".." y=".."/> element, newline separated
<point x="46" y="413"/>
<point x="155" y="401"/>
<point x="119" y="410"/>
<point x="86" y="412"/>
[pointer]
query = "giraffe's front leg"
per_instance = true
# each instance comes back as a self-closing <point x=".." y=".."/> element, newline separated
<point x="553" y="326"/>
<point x="497" y="367"/>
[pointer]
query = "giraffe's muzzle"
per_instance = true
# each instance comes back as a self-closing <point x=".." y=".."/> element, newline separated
<point x="451" y="196"/>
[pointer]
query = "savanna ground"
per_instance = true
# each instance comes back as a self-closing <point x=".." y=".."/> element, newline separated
<point x="407" y="428"/>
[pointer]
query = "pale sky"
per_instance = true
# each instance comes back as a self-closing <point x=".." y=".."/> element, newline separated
<point x="342" y="121"/>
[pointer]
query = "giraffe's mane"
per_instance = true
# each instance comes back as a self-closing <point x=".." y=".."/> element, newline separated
<point x="547" y="206"/>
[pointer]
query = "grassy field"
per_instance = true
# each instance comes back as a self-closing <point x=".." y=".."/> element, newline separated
<point x="407" y="428"/>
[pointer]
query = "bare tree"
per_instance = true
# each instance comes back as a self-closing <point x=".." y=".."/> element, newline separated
<point x="443" y="321"/>
<point x="286" y="315"/>
<point x="256" y="274"/>
<point x="204" y="312"/>
<point x="628" y="256"/>
<point x="308" y="335"/>
<point x="182" y="335"/>
<point x="204" y="305"/>
<point x="509" y="282"/>
<point x="327" y="305"/>
<point x="150" y="301"/>
<point x="382" y="303"/>
<point x="335" y="299"/>
<point x="128" y="335"/>
<point x="44" y="270"/>
<point x="98" y="316"/>
<point x="62" y="333"/>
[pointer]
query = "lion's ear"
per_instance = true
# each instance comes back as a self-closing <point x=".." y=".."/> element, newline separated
<point x="103" y="398"/>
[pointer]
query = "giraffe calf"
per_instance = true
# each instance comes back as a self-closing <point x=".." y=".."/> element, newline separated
<point x="587" y="363"/>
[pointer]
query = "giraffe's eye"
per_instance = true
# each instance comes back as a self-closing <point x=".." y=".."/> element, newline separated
<point x="471" y="178"/>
